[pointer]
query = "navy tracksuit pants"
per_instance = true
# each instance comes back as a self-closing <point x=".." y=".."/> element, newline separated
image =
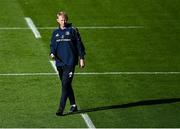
<point x="66" y="76"/>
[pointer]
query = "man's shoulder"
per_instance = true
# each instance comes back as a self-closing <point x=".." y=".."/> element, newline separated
<point x="71" y="28"/>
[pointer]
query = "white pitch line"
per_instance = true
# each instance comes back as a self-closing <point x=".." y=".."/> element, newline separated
<point x="98" y="27"/>
<point x="110" y="27"/>
<point x="89" y="73"/>
<point x="54" y="66"/>
<point x="27" y="74"/>
<point x="126" y="73"/>
<point x="30" y="23"/>
<point x="79" y="27"/>
<point x="88" y="121"/>
<point x="14" y="28"/>
<point x="32" y="27"/>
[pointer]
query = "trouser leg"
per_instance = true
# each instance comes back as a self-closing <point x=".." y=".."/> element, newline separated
<point x="71" y="96"/>
<point x="66" y="76"/>
<point x="64" y="93"/>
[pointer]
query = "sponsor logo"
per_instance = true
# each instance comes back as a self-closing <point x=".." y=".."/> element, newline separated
<point x="67" y="33"/>
<point x="61" y="40"/>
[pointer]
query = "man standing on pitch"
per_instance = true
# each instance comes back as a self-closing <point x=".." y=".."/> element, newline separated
<point x="66" y="49"/>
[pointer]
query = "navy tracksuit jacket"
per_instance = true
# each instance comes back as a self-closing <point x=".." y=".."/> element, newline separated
<point x="67" y="46"/>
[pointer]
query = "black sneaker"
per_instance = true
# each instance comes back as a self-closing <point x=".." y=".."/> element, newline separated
<point x="59" y="112"/>
<point x="73" y="109"/>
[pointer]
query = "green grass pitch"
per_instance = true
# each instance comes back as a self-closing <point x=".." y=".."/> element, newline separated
<point x="111" y="101"/>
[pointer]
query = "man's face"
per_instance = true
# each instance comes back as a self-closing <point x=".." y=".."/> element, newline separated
<point x="61" y="20"/>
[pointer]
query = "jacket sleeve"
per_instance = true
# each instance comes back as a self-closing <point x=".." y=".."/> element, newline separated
<point x="53" y="44"/>
<point x="79" y="43"/>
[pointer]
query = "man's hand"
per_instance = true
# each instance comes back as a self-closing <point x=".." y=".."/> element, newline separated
<point x="81" y="63"/>
<point x="52" y="57"/>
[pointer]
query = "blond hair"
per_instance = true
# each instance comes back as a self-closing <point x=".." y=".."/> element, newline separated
<point x="62" y="13"/>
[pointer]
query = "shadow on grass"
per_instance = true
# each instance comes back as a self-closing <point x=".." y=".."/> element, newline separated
<point x="128" y="105"/>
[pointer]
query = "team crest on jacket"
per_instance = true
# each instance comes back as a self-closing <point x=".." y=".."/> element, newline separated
<point x="67" y="33"/>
